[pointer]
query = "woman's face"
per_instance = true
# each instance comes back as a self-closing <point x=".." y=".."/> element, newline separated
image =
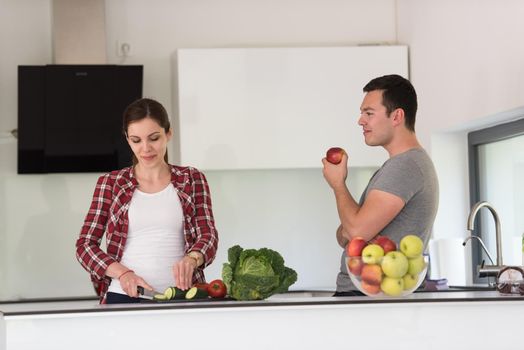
<point x="148" y="141"/>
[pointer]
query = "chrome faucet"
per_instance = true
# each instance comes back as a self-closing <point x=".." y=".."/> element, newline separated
<point x="481" y="244"/>
<point x="488" y="270"/>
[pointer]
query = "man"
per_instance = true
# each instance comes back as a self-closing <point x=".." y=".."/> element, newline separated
<point x="402" y="196"/>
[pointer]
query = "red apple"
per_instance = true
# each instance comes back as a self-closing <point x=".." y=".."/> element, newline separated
<point x="387" y="244"/>
<point x="355" y="266"/>
<point x="355" y="246"/>
<point x="371" y="274"/>
<point x="370" y="288"/>
<point x="334" y="155"/>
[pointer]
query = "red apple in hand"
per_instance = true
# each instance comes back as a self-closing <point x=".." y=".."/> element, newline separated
<point x="334" y="155"/>
<point x="355" y="246"/>
<point x="387" y="244"/>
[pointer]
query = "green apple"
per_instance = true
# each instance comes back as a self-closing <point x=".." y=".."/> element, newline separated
<point x="372" y="253"/>
<point x="392" y="286"/>
<point x="394" y="264"/>
<point x="412" y="246"/>
<point x="416" y="265"/>
<point x="410" y="281"/>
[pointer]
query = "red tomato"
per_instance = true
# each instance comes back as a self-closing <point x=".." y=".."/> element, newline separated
<point x="217" y="289"/>
<point x="203" y="286"/>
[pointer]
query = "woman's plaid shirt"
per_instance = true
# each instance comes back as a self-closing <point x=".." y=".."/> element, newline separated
<point x="108" y="214"/>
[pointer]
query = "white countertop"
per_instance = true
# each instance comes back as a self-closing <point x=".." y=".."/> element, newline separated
<point x="422" y="320"/>
<point x="288" y="299"/>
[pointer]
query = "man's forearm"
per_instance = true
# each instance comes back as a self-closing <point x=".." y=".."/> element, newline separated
<point x="347" y="210"/>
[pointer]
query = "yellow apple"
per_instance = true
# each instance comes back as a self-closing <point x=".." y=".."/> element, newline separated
<point x="394" y="264"/>
<point x="412" y="246"/>
<point x="392" y="286"/>
<point x="410" y="281"/>
<point x="372" y="254"/>
<point x="416" y="265"/>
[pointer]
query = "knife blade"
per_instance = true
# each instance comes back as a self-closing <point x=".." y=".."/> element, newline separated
<point x="148" y="294"/>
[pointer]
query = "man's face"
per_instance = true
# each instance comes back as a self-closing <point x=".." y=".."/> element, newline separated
<point x="375" y="122"/>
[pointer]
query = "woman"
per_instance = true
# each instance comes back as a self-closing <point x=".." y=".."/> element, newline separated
<point x="157" y="217"/>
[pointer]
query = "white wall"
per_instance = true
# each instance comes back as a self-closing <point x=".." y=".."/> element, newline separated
<point x="25" y="38"/>
<point x="167" y="25"/>
<point x="47" y="210"/>
<point x="291" y="211"/>
<point x="466" y="58"/>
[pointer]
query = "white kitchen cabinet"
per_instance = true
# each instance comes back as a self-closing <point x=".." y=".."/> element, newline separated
<point x="274" y="108"/>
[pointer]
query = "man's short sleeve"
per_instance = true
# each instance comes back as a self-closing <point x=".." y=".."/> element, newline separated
<point x="399" y="176"/>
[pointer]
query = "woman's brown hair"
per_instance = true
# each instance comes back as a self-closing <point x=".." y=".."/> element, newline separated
<point x="145" y="108"/>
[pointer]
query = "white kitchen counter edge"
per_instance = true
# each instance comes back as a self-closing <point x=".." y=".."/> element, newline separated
<point x="291" y="300"/>
<point x="422" y="320"/>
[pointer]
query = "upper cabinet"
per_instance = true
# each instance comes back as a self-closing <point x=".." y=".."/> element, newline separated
<point x="274" y="108"/>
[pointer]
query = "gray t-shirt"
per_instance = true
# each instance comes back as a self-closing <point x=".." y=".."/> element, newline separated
<point x="412" y="177"/>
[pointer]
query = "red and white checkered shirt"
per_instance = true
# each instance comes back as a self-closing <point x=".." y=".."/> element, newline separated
<point x="108" y="215"/>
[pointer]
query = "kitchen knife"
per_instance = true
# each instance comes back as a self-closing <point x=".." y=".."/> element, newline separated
<point x="148" y="294"/>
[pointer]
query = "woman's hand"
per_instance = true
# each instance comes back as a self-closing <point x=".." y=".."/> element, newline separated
<point x="129" y="281"/>
<point x="183" y="272"/>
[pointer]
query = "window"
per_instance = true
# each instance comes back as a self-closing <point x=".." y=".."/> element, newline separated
<point x="496" y="171"/>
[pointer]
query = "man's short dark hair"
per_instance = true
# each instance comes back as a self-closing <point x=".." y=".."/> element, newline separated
<point x="397" y="92"/>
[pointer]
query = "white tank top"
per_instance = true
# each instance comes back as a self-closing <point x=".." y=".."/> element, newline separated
<point x="155" y="238"/>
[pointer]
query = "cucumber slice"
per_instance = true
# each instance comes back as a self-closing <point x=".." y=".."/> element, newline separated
<point x="196" y="293"/>
<point x="169" y="293"/>
<point x="173" y="293"/>
<point x="160" y="297"/>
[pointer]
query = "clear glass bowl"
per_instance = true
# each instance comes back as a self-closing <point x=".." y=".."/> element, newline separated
<point x="371" y="279"/>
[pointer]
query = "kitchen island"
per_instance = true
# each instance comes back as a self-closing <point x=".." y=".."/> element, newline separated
<point x="305" y="320"/>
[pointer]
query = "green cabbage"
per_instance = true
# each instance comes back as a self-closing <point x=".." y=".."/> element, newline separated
<point x="253" y="274"/>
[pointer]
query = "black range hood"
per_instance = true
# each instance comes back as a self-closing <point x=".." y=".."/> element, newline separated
<point x="70" y="117"/>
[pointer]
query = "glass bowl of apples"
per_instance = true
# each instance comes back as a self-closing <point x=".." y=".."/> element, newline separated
<point x="379" y="269"/>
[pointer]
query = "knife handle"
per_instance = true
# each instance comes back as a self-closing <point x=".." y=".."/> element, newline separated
<point x="140" y="290"/>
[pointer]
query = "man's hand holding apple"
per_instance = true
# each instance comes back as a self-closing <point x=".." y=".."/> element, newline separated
<point x="336" y="174"/>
